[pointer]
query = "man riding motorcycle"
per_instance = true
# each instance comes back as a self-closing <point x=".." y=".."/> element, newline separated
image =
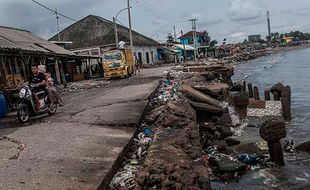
<point x="39" y="82"/>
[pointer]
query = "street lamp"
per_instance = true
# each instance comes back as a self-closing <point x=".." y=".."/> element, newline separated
<point x="115" y="25"/>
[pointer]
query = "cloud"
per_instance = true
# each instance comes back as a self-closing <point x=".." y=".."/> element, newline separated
<point x="286" y="12"/>
<point x="244" y="10"/>
<point x="304" y="11"/>
<point x="30" y="16"/>
<point x="237" y="34"/>
<point x="205" y="20"/>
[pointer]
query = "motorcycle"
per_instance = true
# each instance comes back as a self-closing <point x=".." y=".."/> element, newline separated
<point x="27" y="107"/>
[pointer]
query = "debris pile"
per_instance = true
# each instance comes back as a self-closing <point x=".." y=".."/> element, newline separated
<point x="192" y="133"/>
<point x="170" y="156"/>
<point x="81" y="86"/>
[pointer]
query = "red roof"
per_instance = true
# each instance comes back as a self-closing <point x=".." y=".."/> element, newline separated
<point x="190" y="34"/>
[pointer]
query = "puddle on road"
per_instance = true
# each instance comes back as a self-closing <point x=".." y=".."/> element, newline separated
<point x="10" y="122"/>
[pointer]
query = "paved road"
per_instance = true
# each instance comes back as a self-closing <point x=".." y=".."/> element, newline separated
<point x="76" y="148"/>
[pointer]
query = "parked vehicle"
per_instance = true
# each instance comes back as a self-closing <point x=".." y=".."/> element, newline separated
<point x="27" y="107"/>
<point x="117" y="63"/>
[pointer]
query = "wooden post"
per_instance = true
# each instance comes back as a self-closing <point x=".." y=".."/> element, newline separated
<point x="62" y="74"/>
<point x="276" y="95"/>
<point x="225" y="93"/>
<point x="244" y="86"/>
<point x="272" y="131"/>
<point x="256" y="93"/>
<point x="267" y="94"/>
<point x="240" y="101"/>
<point x="286" y="102"/>
<point x="57" y="71"/>
<point x="250" y="88"/>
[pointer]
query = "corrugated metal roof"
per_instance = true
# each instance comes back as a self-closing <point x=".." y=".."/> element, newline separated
<point x="17" y="39"/>
<point x="94" y="31"/>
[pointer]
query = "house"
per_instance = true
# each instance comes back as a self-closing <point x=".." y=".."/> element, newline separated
<point x="20" y="48"/>
<point x="201" y="41"/>
<point x="288" y="39"/>
<point x="254" y="38"/>
<point x="93" y="35"/>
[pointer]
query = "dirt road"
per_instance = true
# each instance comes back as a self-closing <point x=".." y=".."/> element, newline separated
<point x="75" y="148"/>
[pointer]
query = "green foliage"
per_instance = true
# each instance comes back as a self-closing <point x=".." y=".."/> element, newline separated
<point x="213" y="43"/>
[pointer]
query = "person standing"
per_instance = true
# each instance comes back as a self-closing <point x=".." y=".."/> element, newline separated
<point x="121" y="44"/>
<point x="137" y="64"/>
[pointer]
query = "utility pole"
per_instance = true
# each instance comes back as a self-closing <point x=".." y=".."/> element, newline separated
<point x="57" y="17"/>
<point x="268" y="23"/>
<point x="175" y="34"/>
<point x="184" y="48"/>
<point x="115" y="25"/>
<point x="194" y="35"/>
<point x="130" y="31"/>
<point x="115" y="32"/>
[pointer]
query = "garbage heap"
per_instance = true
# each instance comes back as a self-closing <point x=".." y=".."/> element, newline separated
<point x="168" y="150"/>
<point x="79" y="86"/>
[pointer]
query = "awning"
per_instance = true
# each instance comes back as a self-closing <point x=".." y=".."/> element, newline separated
<point x="187" y="47"/>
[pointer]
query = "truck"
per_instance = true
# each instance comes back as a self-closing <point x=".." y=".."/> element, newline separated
<point x="117" y="63"/>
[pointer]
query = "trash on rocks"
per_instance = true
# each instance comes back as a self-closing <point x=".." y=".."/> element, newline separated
<point x="289" y="146"/>
<point x="249" y="159"/>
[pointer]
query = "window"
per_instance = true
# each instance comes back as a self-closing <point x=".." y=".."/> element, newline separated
<point x="147" y="57"/>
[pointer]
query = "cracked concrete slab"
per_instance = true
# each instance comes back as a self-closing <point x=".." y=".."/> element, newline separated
<point x="118" y="114"/>
<point x="68" y="151"/>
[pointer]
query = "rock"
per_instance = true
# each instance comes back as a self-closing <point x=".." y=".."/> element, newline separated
<point x="237" y="88"/>
<point x="240" y="99"/>
<point x="228" y="166"/>
<point x="207" y="127"/>
<point x="277" y="87"/>
<point x="225" y="119"/>
<point x="186" y="178"/>
<point x="249" y="148"/>
<point x="272" y="130"/>
<point x="225" y="165"/>
<point x="305" y="146"/>
<point x="221" y="146"/>
<point x="214" y="161"/>
<point x="223" y="131"/>
<point x="204" y="183"/>
<point x="170" y="168"/>
<point x="155" y="179"/>
<point x="230" y="141"/>
<point x="154" y="114"/>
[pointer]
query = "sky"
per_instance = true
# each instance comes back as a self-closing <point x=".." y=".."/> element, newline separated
<point x="230" y="19"/>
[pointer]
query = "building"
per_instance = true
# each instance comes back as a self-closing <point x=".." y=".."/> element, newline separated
<point x="202" y="40"/>
<point x="94" y="35"/>
<point x="20" y="48"/>
<point x="288" y="39"/>
<point x="254" y="38"/>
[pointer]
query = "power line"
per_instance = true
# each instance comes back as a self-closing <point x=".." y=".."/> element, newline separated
<point x="148" y="8"/>
<point x="54" y="11"/>
<point x="149" y="5"/>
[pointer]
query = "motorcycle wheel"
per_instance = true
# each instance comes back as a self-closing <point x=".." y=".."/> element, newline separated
<point x="52" y="109"/>
<point x="23" y="114"/>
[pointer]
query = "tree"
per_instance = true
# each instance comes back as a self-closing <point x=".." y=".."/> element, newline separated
<point x="170" y="38"/>
<point x="213" y="43"/>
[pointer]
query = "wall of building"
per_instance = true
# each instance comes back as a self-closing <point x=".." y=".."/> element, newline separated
<point x="144" y="50"/>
